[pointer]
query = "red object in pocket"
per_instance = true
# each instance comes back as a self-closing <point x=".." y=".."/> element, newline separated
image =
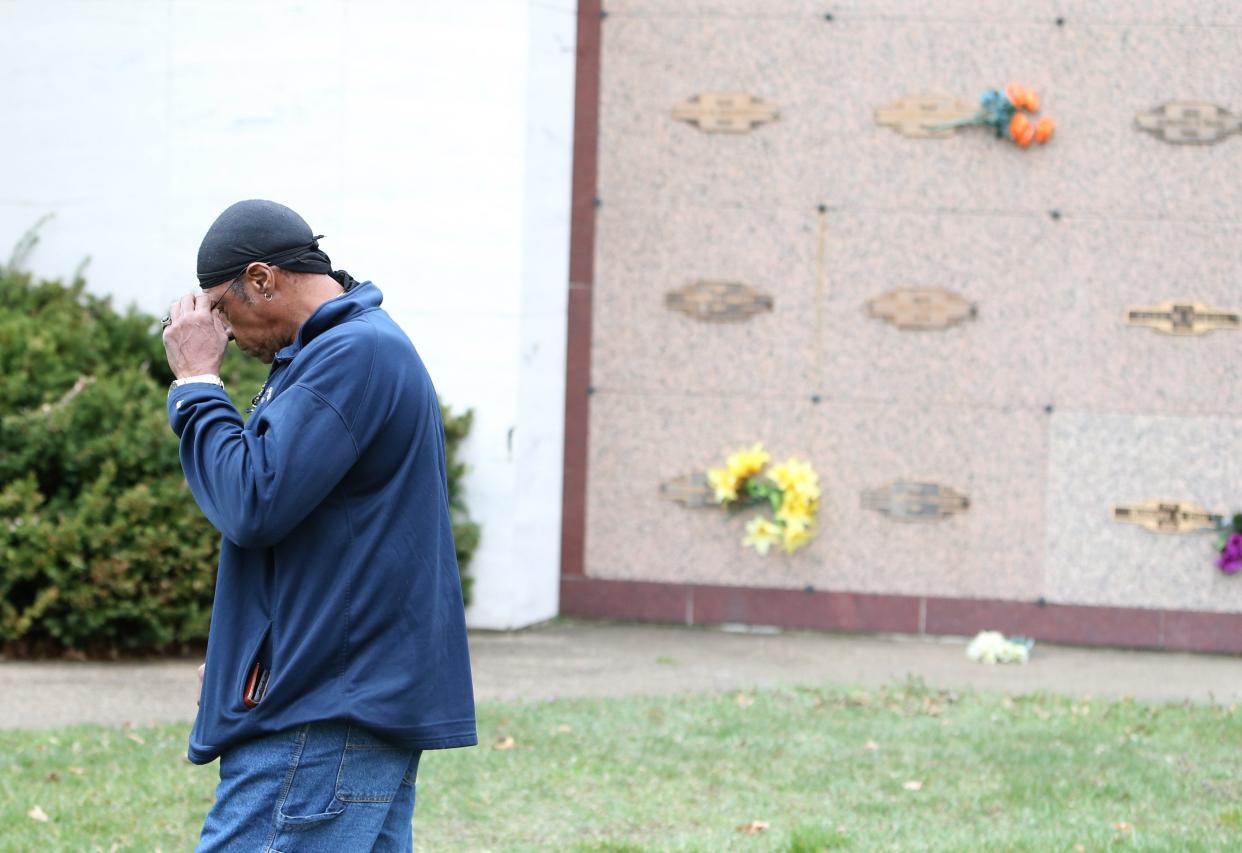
<point x="252" y="681"/>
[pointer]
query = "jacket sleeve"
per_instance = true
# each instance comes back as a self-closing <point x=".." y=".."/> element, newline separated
<point x="256" y="485"/>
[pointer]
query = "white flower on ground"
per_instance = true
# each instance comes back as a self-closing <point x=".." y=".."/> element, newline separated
<point x="992" y="647"/>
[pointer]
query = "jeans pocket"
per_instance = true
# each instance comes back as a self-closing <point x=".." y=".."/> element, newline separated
<point x="309" y="798"/>
<point x="295" y="822"/>
<point x="371" y="769"/>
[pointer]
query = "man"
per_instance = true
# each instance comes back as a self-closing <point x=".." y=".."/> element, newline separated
<point x="337" y="651"/>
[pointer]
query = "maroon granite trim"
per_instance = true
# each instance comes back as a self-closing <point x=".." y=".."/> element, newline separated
<point x="831" y="611"/>
<point x="638" y="600"/>
<point x="1055" y="623"/>
<point x="1203" y="632"/>
<point x="581" y="275"/>
<point x="1071" y="624"/>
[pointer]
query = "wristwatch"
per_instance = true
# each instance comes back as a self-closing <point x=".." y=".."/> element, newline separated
<point x="209" y="378"/>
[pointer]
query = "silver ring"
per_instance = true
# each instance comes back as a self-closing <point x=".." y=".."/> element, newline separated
<point x="165" y="321"/>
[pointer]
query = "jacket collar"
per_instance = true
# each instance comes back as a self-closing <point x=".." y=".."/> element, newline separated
<point x="358" y="300"/>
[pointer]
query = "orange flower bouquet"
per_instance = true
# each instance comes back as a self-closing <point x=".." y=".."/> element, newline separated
<point x="1010" y="115"/>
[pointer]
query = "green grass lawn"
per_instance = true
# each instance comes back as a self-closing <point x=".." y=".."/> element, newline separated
<point x="906" y="768"/>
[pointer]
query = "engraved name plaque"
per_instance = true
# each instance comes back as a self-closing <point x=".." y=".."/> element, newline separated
<point x="692" y="491"/>
<point x="922" y="308"/>
<point x="1189" y="123"/>
<point x="918" y="116"/>
<point x="903" y="500"/>
<point x="1183" y="318"/>
<point x="1167" y="516"/>
<point x="725" y="112"/>
<point x="719" y="301"/>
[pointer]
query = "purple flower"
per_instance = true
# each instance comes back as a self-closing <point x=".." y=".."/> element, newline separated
<point x="1230" y="560"/>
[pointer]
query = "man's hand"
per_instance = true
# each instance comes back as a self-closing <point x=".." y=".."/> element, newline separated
<point x="196" y="338"/>
<point x="202" y="667"/>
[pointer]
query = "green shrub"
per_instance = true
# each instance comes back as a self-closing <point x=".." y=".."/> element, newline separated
<point x="102" y="547"/>
<point x="465" y="532"/>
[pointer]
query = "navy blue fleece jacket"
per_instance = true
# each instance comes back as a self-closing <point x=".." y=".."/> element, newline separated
<point x="337" y="566"/>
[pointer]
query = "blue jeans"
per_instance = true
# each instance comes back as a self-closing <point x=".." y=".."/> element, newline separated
<point x="319" y="787"/>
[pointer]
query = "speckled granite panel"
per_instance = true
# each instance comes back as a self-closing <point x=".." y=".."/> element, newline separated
<point x="716" y="8"/>
<point x="1014" y="269"/>
<point x="651" y="65"/>
<point x="1099" y="461"/>
<point x="1093" y="80"/>
<point x="828" y="78"/>
<point x="643" y="253"/>
<point x="1170" y="13"/>
<point x="1072" y="12"/>
<point x="1101" y="363"/>
<point x="996" y="457"/>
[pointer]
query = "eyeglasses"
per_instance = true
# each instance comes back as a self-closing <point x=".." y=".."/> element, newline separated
<point x="227" y="289"/>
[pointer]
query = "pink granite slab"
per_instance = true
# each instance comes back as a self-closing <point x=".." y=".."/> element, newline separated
<point x="1101" y="363"/>
<point x="651" y="65"/>
<point x="749" y="9"/>
<point x="644" y="253"/>
<point x="1101" y="460"/>
<point x="1092" y="79"/>
<point x="996" y="457"/>
<point x="1013" y="269"/>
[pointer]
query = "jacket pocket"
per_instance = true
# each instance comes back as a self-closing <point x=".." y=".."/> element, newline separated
<point x="259" y="651"/>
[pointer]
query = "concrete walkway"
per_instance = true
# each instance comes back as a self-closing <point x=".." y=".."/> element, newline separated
<point x="599" y="659"/>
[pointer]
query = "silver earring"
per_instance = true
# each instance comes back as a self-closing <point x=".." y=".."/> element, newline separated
<point x="268" y="297"/>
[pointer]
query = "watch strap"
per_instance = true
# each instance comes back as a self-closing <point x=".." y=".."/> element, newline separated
<point x="207" y="378"/>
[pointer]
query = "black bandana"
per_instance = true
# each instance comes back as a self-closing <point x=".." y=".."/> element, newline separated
<point x="263" y="231"/>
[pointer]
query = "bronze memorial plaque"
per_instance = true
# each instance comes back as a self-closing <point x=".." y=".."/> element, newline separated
<point x="922" y="308"/>
<point x="692" y="491"/>
<point x="1183" y="318"/>
<point x="904" y="500"/>
<point x="719" y="301"/>
<point x="918" y="115"/>
<point x="1167" y="516"/>
<point x="725" y="112"/>
<point x="1189" y="122"/>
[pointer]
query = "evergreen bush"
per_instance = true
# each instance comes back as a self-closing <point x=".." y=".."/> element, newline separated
<point x="102" y="548"/>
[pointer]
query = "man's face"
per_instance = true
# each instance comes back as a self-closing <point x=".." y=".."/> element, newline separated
<point x="250" y="321"/>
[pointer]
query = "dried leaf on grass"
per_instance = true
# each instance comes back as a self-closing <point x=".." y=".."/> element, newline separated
<point x="913" y="785"/>
<point x="136" y="738"/>
<point x="754" y="827"/>
<point x="505" y="742"/>
<point x="37" y="813"/>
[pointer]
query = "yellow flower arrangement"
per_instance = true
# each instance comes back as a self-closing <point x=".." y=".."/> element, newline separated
<point x="791" y="489"/>
<point x="738" y="468"/>
<point x="762" y="534"/>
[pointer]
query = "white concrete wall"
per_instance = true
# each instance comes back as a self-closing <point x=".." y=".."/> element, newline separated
<point x="429" y="141"/>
